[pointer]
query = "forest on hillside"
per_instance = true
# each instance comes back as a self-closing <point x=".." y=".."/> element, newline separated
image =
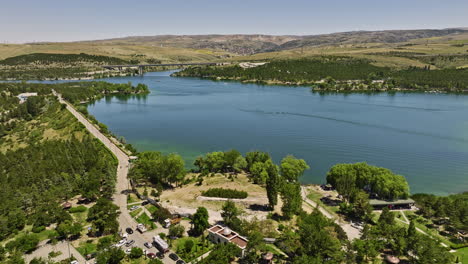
<point x="330" y="73"/>
<point x="47" y="157"/>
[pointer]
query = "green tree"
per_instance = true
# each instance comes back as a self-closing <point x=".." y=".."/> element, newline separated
<point x="188" y="246"/>
<point x="176" y="231"/>
<point x="273" y="184"/>
<point x="111" y="256"/>
<point x="230" y="214"/>
<point x="316" y="239"/>
<point x="200" y="221"/>
<point x="155" y="261"/>
<point x="135" y="253"/>
<point x="104" y="242"/>
<point x="103" y="216"/>
<point x="69" y="229"/>
<point x="292" y="199"/>
<point x="361" y="206"/>
<point x="292" y="168"/>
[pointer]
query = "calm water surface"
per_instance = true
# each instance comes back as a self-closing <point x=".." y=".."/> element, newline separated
<point x="421" y="136"/>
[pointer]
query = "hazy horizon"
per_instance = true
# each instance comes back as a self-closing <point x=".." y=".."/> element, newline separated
<point x="59" y="21"/>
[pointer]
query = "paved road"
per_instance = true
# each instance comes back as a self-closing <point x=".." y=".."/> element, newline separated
<point x="123" y="184"/>
<point x="351" y="231"/>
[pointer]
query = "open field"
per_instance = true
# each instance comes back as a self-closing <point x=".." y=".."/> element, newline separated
<point x="187" y="198"/>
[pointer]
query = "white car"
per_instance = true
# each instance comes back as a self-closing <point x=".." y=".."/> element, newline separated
<point x="121" y="243"/>
<point x="128" y="250"/>
<point x="74" y="262"/>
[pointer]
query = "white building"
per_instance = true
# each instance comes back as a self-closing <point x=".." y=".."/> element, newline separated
<point x="219" y="234"/>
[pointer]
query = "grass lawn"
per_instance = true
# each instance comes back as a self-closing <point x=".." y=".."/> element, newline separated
<point x="146" y="220"/>
<point x="315" y="196"/>
<point x="86" y="248"/>
<point x="462" y="255"/>
<point x="132" y="198"/>
<point x="80" y="216"/>
<point x="136" y="212"/>
<point x="199" y="248"/>
<point x="151" y="208"/>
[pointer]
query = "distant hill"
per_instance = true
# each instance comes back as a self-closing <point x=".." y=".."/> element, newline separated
<point x="251" y="44"/>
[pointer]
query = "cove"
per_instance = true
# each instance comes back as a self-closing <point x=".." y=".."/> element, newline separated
<point x="421" y="136"/>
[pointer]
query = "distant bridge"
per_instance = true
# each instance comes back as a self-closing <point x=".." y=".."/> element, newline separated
<point x="142" y="66"/>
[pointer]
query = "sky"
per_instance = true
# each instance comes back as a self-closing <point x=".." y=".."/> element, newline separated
<point x="70" y="20"/>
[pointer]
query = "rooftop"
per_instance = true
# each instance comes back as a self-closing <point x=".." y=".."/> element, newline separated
<point x="394" y="202"/>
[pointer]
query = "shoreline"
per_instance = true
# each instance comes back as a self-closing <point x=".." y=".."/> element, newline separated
<point x="321" y="90"/>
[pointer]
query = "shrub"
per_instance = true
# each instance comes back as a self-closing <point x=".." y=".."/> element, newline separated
<point x="225" y="193"/>
<point x="78" y="209"/>
<point x="38" y="229"/>
<point x="136" y="253"/>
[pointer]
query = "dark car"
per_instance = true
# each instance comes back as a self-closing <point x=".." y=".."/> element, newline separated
<point x="180" y="262"/>
<point x="151" y="255"/>
<point x="129" y="230"/>
<point x="173" y="256"/>
<point x="160" y="255"/>
<point x="129" y="243"/>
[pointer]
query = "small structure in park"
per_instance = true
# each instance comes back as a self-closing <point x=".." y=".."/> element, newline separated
<point x="267" y="258"/>
<point x="392" y="259"/>
<point x="24" y="96"/>
<point x="66" y="205"/>
<point x="395" y="204"/>
<point x="219" y="234"/>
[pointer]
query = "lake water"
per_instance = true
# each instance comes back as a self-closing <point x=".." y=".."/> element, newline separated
<point x="421" y="136"/>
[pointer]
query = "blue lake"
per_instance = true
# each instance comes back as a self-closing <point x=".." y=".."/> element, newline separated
<point x="421" y="136"/>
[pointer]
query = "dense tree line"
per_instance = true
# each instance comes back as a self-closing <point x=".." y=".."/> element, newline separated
<point x="53" y="58"/>
<point x="53" y="66"/>
<point x="400" y="241"/>
<point x="340" y="74"/>
<point x="301" y="71"/>
<point x="381" y="182"/>
<point x="159" y="169"/>
<point x="39" y="174"/>
<point x="453" y="207"/>
<point x="225" y="193"/>
<point x="85" y="91"/>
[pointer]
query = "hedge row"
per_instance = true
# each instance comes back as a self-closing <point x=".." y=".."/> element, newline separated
<point x="225" y="193"/>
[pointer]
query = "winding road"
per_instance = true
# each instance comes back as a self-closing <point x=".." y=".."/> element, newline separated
<point x="122" y="184"/>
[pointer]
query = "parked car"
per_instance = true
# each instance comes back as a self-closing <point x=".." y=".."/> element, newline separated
<point x="148" y="245"/>
<point x="151" y="255"/>
<point x="141" y="228"/>
<point x="160" y="255"/>
<point x="74" y="262"/>
<point x="128" y="250"/>
<point x="180" y="262"/>
<point x="121" y="243"/>
<point x="129" y="230"/>
<point x="129" y="243"/>
<point x="173" y="256"/>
